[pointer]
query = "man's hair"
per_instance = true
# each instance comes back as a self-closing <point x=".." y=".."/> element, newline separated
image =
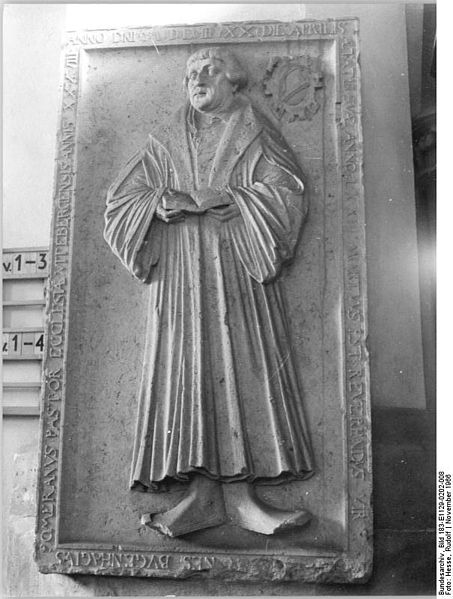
<point x="234" y="71"/>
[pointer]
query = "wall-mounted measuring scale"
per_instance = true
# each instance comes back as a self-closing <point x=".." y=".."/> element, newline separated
<point x="24" y="271"/>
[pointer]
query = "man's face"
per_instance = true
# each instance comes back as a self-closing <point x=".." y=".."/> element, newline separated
<point x="207" y="84"/>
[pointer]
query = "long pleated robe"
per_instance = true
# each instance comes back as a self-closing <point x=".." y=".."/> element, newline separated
<point x="219" y="393"/>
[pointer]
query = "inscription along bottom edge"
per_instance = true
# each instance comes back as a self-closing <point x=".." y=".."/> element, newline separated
<point x="344" y="568"/>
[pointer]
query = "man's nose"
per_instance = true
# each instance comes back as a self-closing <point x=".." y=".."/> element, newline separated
<point x="200" y="78"/>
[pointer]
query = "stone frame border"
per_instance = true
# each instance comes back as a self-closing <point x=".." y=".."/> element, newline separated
<point x="352" y="565"/>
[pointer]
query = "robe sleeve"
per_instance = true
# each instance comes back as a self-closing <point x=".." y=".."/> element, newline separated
<point x="131" y="230"/>
<point x="273" y="207"/>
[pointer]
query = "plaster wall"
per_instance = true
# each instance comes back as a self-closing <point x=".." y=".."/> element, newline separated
<point x="32" y="57"/>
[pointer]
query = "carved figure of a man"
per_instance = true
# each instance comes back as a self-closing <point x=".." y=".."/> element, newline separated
<point x="207" y="214"/>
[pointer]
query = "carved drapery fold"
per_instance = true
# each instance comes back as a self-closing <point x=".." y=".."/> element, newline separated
<point x="210" y="311"/>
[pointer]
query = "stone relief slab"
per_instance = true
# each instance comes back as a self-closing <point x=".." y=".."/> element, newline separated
<point x="206" y="406"/>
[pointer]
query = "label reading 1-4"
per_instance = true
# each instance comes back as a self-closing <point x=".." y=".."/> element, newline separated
<point x="23" y="345"/>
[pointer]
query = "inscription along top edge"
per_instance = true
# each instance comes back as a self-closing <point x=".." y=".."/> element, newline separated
<point x="259" y="30"/>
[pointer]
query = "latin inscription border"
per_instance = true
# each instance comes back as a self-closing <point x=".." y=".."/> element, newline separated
<point x="351" y="564"/>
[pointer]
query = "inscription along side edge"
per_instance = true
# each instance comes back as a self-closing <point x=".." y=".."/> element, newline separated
<point x="353" y="565"/>
<point x="356" y="363"/>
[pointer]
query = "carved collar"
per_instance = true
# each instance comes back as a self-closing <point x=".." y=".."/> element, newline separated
<point x="242" y="128"/>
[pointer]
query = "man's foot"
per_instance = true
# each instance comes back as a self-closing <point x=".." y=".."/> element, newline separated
<point x="202" y="507"/>
<point x="248" y="511"/>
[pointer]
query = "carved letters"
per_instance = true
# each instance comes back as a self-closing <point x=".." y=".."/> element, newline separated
<point x="112" y="559"/>
<point x="359" y="509"/>
<point x="153" y="564"/>
<point x="356" y="386"/>
<point x="207" y="33"/>
<point x="49" y="467"/>
<point x="51" y="415"/>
